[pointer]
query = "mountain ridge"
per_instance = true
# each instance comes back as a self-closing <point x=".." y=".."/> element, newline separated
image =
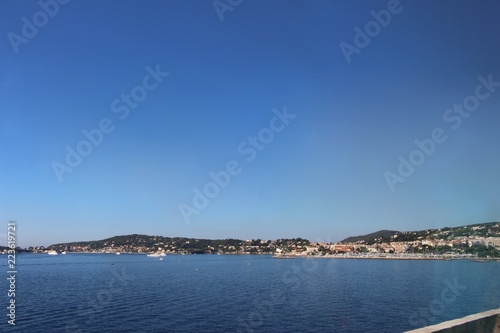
<point x="381" y="234"/>
<point x="487" y="229"/>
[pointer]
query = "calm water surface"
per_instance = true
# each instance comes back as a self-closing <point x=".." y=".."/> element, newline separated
<point x="208" y="293"/>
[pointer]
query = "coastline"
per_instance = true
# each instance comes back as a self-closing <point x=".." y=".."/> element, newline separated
<point x="341" y="256"/>
<point x="403" y="257"/>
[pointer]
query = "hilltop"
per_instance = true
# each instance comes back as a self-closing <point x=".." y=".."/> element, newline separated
<point x="143" y="243"/>
<point x="490" y="229"/>
<point x="482" y="239"/>
<point x="381" y="235"/>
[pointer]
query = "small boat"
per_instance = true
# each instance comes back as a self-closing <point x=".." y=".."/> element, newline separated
<point x="117" y="253"/>
<point x="52" y="253"/>
<point x="281" y="256"/>
<point x="157" y="254"/>
<point x="63" y="252"/>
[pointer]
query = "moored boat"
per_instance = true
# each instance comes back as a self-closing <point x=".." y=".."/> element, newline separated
<point x="281" y="256"/>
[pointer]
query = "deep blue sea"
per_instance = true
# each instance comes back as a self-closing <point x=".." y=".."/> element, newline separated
<point x="243" y="293"/>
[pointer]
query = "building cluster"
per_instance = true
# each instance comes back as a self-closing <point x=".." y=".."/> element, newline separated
<point x="483" y="240"/>
<point x="430" y="246"/>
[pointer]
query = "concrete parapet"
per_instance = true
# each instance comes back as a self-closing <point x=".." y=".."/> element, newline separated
<point x="484" y="322"/>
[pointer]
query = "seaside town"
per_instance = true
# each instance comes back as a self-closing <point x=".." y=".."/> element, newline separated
<point x="472" y="241"/>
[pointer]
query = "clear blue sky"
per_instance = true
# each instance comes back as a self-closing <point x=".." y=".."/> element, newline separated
<point x="321" y="177"/>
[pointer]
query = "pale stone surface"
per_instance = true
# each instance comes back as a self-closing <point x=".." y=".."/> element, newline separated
<point x="484" y="322"/>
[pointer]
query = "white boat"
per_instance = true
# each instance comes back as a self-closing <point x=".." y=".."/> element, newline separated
<point x="157" y="254"/>
<point x="52" y="253"/>
<point x="282" y="256"/>
<point x="118" y="253"/>
<point x="63" y="252"/>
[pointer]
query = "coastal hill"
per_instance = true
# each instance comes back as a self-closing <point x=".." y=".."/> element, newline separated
<point x="381" y="235"/>
<point x="476" y="239"/>
<point x="144" y="243"/>
<point x="5" y="249"/>
<point x="491" y="229"/>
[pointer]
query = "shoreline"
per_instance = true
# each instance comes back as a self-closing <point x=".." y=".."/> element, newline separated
<point x="293" y="256"/>
<point x="404" y="257"/>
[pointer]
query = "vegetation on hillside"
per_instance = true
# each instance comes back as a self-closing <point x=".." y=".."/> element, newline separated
<point x="491" y="229"/>
<point x="145" y="243"/>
